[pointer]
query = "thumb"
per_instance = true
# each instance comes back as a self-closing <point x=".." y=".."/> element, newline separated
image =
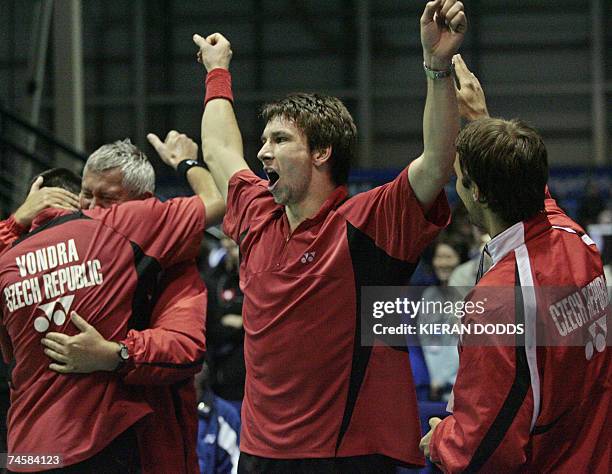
<point x="36" y="185"/>
<point x="199" y="41"/>
<point x="155" y="142"/>
<point x="79" y="322"/>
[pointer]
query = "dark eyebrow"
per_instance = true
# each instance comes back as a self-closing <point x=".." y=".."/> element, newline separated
<point x="280" y="133"/>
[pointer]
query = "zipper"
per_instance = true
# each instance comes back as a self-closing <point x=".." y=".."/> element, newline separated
<point x="282" y="252"/>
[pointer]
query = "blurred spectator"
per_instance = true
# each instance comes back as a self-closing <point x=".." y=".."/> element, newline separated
<point x="462" y="227"/>
<point x="463" y="278"/>
<point x="225" y="333"/>
<point x="440" y="351"/>
<point x="591" y="205"/>
<point x="218" y="430"/>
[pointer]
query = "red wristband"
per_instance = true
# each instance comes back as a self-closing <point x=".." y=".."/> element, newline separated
<point x="219" y="85"/>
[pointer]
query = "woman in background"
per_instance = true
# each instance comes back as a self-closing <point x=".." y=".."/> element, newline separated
<point x="440" y="351"/>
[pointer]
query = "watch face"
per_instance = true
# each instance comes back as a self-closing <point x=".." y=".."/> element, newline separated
<point x="123" y="353"/>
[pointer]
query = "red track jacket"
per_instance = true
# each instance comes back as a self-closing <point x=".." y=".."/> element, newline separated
<point x="536" y="408"/>
<point x="164" y="359"/>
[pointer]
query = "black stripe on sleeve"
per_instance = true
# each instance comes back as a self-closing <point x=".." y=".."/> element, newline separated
<point x="516" y="396"/>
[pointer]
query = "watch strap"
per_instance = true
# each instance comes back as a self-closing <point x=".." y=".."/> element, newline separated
<point x="433" y="74"/>
<point x="186" y="165"/>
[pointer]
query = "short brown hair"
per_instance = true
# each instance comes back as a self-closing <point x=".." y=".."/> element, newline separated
<point x="60" y="178"/>
<point x="508" y="162"/>
<point x="325" y="121"/>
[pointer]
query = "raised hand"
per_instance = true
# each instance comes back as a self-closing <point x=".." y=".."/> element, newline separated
<point x="470" y="96"/>
<point x="42" y="198"/>
<point x="215" y="51"/>
<point x="443" y="26"/>
<point x="175" y="148"/>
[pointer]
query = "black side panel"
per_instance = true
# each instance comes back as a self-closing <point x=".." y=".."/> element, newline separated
<point x="371" y="267"/>
<point x="145" y="296"/>
<point x="516" y="395"/>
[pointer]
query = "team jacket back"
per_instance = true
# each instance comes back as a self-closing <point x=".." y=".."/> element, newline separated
<point x="100" y="264"/>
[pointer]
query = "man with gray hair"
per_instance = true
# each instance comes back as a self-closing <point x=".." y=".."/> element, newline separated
<point x="165" y="347"/>
<point x="114" y="173"/>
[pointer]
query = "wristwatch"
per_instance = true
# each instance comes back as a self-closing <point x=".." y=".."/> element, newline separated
<point x="124" y="354"/>
<point x="433" y="74"/>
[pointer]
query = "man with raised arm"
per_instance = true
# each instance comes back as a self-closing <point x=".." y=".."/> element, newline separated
<point x="316" y="400"/>
<point x="166" y="347"/>
<point x="541" y="401"/>
<point x="103" y="263"/>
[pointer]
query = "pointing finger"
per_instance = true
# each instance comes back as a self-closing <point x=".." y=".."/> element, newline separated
<point x="199" y="40"/>
<point x="155" y="142"/>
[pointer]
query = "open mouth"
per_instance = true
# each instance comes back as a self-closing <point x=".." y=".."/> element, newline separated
<point x="273" y="178"/>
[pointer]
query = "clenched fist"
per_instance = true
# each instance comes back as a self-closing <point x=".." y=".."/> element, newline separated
<point x="215" y="51"/>
<point x="443" y="26"/>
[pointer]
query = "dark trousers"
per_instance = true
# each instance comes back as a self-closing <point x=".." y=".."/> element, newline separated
<point x="249" y="464"/>
<point x="119" y="457"/>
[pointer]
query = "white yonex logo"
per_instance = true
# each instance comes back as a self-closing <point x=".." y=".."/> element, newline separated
<point x="308" y="257"/>
<point x="598" y="341"/>
<point x="41" y="324"/>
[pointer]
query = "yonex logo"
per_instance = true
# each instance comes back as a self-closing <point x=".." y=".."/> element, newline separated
<point x="41" y="324"/>
<point x="308" y="257"/>
<point x="598" y="331"/>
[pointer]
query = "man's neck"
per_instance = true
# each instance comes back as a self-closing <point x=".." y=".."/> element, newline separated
<point x="494" y="225"/>
<point x="309" y="206"/>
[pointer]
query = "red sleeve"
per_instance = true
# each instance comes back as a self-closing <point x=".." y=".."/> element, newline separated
<point x="170" y="231"/>
<point x="493" y="403"/>
<point x="393" y="217"/>
<point x="173" y="348"/>
<point x="248" y="198"/>
<point x="10" y="231"/>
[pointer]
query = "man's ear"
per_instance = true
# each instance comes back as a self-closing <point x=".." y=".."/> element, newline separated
<point x="475" y="193"/>
<point x="321" y="156"/>
<point x="477" y="196"/>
